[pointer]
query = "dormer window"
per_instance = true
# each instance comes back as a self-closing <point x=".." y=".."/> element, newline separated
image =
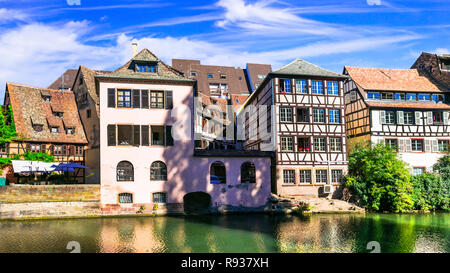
<point x="54" y="130"/>
<point x="223" y="76"/>
<point x="70" y="131"/>
<point x="38" y="127"/>
<point x="47" y="98"/>
<point x="58" y="114"/>
<point x="146" y="68"/>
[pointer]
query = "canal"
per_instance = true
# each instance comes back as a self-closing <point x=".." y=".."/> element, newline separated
<point x="232" y="233"/>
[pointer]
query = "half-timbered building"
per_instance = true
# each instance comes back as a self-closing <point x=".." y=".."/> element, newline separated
<point x="298" y="111"/>
<point x="402" y="108"/>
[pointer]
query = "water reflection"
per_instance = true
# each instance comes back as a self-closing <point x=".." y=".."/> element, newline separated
<point x="237" y="233"/>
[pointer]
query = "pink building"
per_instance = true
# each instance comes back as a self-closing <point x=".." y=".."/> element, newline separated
<point x="142" y="163"/>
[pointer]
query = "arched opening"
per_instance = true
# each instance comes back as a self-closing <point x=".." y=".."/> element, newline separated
<point x="125" y="171"/>
<point x="217" y="173"/>
<point x="248" y="172"/>
<point x="158" y="171"/>
<point x="196" y="202"/>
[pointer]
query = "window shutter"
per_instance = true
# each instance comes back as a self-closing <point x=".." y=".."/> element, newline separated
<point x="383" y="117"/>
<point x="401" y="145"/>
<point x="429" y="118"/>
<point x="144" y="97"/>
<point x="446" y="118"/>
<point x="168" y="133"/>
<point x="28" y="147"/>
<point x="111" y="135"/>
<point x="408" y="145"/>
<point x="71" y="150"/>
<point x="43" y="148"/>
<point x="400" y="117"/>
<point x="136" y="98"/>
<point x="427" y="146"/>
<point x="418" y="118"/>
<point x="169" y="99"/>
<point x="111" y="97"/>
<point x="435" y="146"/>
<point x="136" y="135"/>
<point x="145" y="135"/>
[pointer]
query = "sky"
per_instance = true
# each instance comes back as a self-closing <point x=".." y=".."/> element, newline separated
<point x="39" y="40"/>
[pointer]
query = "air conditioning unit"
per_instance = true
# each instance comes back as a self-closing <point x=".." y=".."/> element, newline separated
<point x="327" y="189"/>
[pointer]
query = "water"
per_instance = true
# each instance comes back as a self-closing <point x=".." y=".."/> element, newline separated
<point x="233" y="233"/>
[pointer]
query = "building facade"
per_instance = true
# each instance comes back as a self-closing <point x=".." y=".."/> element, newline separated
<point x="46" y="121"/>
<point x="147" y="153"/>
<point x="298" y="111"/>
<point x="402" y="108"/>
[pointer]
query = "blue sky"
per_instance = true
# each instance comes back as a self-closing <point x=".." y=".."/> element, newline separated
<point x="40" y="39"/>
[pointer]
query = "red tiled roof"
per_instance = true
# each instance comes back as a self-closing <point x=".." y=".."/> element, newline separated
<point x="29" y="108"/>
<point x="391" y="79"/>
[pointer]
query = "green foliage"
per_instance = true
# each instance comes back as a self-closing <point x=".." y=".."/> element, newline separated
<point x="27" y="156"/>
<point x="443" y="167"/>
<point x="431" y="192"/>
<point x="379" y="179"/>
<point x="7" y="127"/>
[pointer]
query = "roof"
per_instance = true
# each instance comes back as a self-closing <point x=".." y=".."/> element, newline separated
<point x="164" y="72"/>
<point x="89" y="80"/>
<point x="29" y="108"/>
<point x="303" y="68"/>
<point x="238" y="100"/>
<point x="69" y="77"/>
<point x="384" y="79"/>
<point x="433" y="65"/>
<point x="256" y="70"/>
<point x="433" y="106"/>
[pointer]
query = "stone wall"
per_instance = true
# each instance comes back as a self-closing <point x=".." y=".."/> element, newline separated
<point x="49" y="193"/>
<point x="49" y="209"/>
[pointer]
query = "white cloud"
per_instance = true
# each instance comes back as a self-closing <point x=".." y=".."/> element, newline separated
<point x="374" y="2"/>
<point x="442" y="51"/>
<point x="8" y="15"/>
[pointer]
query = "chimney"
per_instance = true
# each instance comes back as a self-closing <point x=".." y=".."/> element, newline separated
<point x="134" y="46"/>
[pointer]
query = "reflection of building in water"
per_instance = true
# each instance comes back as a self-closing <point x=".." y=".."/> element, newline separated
<point x="316" y="234"/>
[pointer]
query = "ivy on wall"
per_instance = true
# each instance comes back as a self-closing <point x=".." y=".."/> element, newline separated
<point x="7" y="126"/>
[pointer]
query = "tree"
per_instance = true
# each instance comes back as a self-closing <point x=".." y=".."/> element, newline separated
<point x="443" y="167"/>
<point x="430" y="192"/>
<point x="379" y="179"/>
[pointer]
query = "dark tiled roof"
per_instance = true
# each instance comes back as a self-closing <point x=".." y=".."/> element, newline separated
<point x="29" y="108"/>
<point x="164" y="72"/>
<point x="432" y="63"/>
<point x="299" y="67"/>
<point x="254" y="70"/>
<point x="69" y="78"/>
<point x="391" y="79"/>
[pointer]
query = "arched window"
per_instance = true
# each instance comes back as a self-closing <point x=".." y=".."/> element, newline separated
<point x="217" y="173"/>
<point x="125" y="198"/>
<point x="158" y="171"/>
<point x="248" y="173"/>
<point x="125" y="171"/>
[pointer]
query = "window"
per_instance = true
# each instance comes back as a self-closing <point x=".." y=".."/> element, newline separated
<point x="443" y="145"/>
<point x="408" y="118"/>
<point x="58" y="114"/>
<point x="285" y="114"/>
<point x="4" y="148"/>
<point x="125" y="134"/>
<point x="400" y="96"/>
<point x="410" y="96"/>
<point x="158" y="171"/>
<point x="57" y="150"/>
<point x="157" y="135"/>
<point x="390" y="117"/>
<point x="287" y="144"/>
<point x="289" y="176"/>
<point x="146" y="68"/>
<point x="157" y="99"/>
<point x="352" y="95"/>
<point x="248" y="173"/>
<point x="34" y="148"/>
<point x="159" y="197"/>
<point x="392" y="143"/>
<point x="261" y="77"/>
<point x="335" y="144"/>
<point x="125" y="171"/>
<point x="38" y="127"/>
<point x="334" y="116"/>
<point x="70" y="131"/>
<point x="125" y="198"/>
<point x="438" y="118"/>
<point x="317" y="87"/>
<point x="333" y="88"/>
<point x="285" y="86"/>
<point x="217" y="88"/>
<point x="319" y="144"/>
<point x="193" y="74"/>
<point x="321" y="176"/>
<point x="88" y="113"/>
<point x="418" y="170"/>
<point x="437" y="97"/>
<point x="302" y="115"/>
<point x="304" y="144"/>
<point x="417" y="145"/>
<point x="79" y="150"/>
<point x="223" y="76"/>
<point x="217" y="173"/>
<point x="424" y="97"/>
<point x="46" y="98"/>
<point x="54" y="130"/>
<point x="336" y="177"/>
<point x="305" y="176"/>
<point x="373" y="95"/>
<point x="387" y="96"/>
<point x="210" y="76"/>
<point x="318" y="115"/>
<point x="301" y="87"/>
<point x="124" y="98"/>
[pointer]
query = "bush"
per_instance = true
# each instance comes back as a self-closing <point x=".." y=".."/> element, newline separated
<point x="379" y="179"/>
<point x="430" y="192"/>
<point x="443" y="167"/>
